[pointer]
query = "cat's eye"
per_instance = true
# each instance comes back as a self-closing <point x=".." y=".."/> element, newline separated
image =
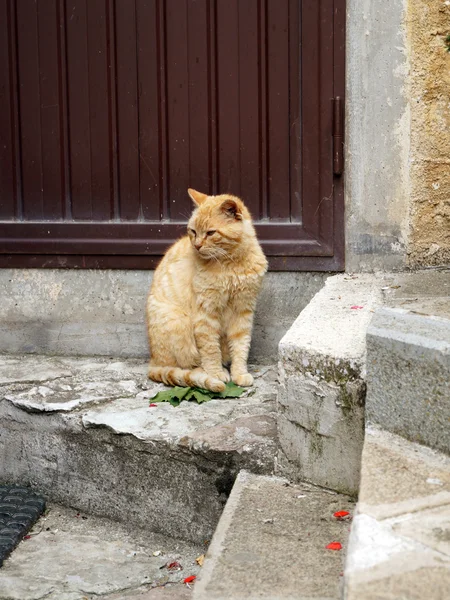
<point x="192" y="231"/>
<point x="211" y="232"/>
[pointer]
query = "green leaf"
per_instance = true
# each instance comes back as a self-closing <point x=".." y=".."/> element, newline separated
<point x="163" y="396"/>
<point x="177" y="394"/>
<point x="231" y="391"/>
<point x="180" y="392"/>
<point x="174" y="393"/>
<point x="200" y="396"/>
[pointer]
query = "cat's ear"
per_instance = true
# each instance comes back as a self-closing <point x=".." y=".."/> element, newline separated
<point x="231" y="209"/>
<point x="197" y="197"/>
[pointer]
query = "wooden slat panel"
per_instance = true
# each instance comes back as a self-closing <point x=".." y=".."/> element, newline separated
<point x="263" y="111"/>
<point x="66" y="200"/>
<point x="8" y="114"/>
<point x="112" y="108"/>
<point x="78" y="109"/>
<point x="50" y="111"/>
<point x="127" y="110"/>
<point x="178" y="107"/>
<point x="278" y="109"/>
<point x="249" y="121"/>
<point x="150" y="155"/>
<point x="326" y="93"/>
<point x="212" y="59"/>
<point x="163" y="107"/>
<point x="295" y="129"/>
<point x="228" y="102"/>
<point x="198" y="86"/>
<point x="99" y="122"/>
<point x="30" y="114"/>
<point x="138" y="238"/>
<point x="310" y="68"/>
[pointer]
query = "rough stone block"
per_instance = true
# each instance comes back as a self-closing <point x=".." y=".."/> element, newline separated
<point x="399" y="542"/>
<point x="81" y="431"/>
<point x="408" y="374"/>
<point x="322" y="384"/>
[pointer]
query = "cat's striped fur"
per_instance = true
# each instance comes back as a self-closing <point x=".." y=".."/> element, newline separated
<point x="203" y="295"/>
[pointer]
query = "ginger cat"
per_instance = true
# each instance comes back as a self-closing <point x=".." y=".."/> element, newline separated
<point x="203" y="295"/>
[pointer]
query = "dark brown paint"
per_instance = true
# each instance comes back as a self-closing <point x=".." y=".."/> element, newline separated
<point x="110" y="109"/>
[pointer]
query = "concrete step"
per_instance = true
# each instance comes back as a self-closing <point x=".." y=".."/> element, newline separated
<point x="322" y="384"/>
<point x="325" y="364"/>
<point x="73" y="556"/>
<point x="408" y="371"/>
<point x="271" y="543"/>
<point x="81" y="431"/>
<point x="399" y="544"/>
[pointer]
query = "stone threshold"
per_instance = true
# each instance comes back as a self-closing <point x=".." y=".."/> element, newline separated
<point x="81" y="431"/>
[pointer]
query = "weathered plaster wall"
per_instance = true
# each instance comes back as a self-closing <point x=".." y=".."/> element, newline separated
<point x="428" y="23"/>
<point x="377" y="136"/>
<point x="398" y="134"/>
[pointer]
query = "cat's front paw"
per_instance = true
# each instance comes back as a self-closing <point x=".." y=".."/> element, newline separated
<point x="214" y="385"/>
<point x="244" y="379"/>
<point x="223" y="375"/>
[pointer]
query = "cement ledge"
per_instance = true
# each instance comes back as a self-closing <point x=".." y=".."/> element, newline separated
<point x="323" y="369"/>
<point x="333" y="325"/>
<point x="81" y="431"/>
<point x="322" y="383"/>
<point x="271" y="543"/>
<point x="408" y="373"/>
<point x="102" y="312"/>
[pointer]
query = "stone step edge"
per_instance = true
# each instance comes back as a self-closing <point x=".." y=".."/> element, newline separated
<point x="322" y="383"/>
<point x="217" y="543"/>
<point x="272" y="542"/>
<point x="382" y="543"/>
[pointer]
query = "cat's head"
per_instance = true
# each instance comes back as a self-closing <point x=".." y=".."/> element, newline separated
<point x="219" y="226"/>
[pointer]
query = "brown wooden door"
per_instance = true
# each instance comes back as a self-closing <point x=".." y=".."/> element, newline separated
<point x="111" y="109"/>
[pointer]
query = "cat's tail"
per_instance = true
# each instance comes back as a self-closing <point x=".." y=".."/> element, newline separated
<point x="185" y="377"/>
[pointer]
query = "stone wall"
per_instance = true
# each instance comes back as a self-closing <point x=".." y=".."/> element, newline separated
<point x="377" y="136"/>
<point x="428" y="23"/>
<point x="102" y="313"/>
<point x="397" y="180"/>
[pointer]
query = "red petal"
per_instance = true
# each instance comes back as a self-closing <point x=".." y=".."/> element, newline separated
<point x="340" y="514"/>
<point x="190" y="579"/>
<point x="334" y="546"/>
<point x="152" y="405"/>
<point x="27" y="537"/>
<point x="356" y="307"/>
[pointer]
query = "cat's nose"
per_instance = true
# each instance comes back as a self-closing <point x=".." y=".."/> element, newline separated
<point x="197" y="245"/>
